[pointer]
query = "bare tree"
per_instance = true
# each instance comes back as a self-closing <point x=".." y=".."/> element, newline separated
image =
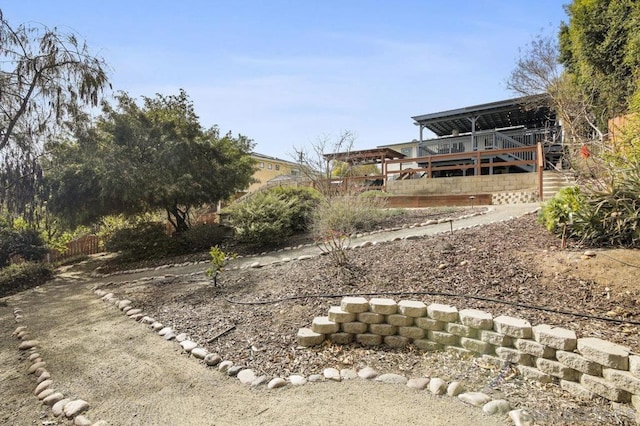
<point x="313" y="163"/>
<point x="538" y="72"/>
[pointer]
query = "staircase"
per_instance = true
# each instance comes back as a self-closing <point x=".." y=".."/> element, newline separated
<point x="553" y="181"/>
<point x="505" y="142"/>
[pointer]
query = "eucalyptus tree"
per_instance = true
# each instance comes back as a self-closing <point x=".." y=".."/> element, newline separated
<point x="47" y="77"/>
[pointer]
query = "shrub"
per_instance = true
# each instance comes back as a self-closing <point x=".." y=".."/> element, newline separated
<point x="612" y="218"/>
<point x="263" y="219"/>
<point x="201" y="237"/>
<point x="305" y="200"/>
<point x="15" y="278"/>
<point x="338" y="217"/>
<point x="347" y="214"/>
<point x="219" y="260"/>
<point x="599" y="218"/>
<point x="374" y="194"/>
<point x="558" y="212"/>
<point x="147" y="240"/>
<point x="26" y="244"/>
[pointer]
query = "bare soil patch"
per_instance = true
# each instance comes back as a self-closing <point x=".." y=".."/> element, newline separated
<point x="515" y="262"/>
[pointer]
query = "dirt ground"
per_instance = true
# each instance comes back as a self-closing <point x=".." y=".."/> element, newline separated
<point x="131" y="376"/>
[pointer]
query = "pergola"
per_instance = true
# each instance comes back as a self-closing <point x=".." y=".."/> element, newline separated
<point x="366" y="156"/>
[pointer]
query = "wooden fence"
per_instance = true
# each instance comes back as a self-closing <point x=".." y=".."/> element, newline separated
<point x="89" y="244"/>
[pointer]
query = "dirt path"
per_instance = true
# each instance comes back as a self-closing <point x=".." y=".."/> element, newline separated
<point x="131" y="376"/>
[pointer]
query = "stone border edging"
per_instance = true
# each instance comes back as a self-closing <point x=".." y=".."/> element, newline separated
<point x="437" y="386"/>
<point x="72" y="409"/>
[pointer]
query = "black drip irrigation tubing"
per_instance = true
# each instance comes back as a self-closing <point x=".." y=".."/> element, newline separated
<point x="434" y="293"/>
<point x="620" y="261"/>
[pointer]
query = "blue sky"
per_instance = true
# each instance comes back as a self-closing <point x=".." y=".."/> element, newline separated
<point x="289" y="72"/>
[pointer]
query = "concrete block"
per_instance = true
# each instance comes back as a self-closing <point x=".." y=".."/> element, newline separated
<point x="396" y="341"/>
<point x="532" y="373"/>
<point x="477" y="346"/>
<point x="460" y="330"/>
<point x="383" y="306"/>
<point x="622" y="380"/>
<point x="635" y="402"/>
<point x="534" y="348"/>
<point x="323" y="325"/>
<point x="442" y="312"/>
<point x="370" y="318"/>
<point x="634" y="365"/>
<point x="496" y="339"/>
<point x="580" y="363"/>
<point x="383" y="329"/>
<point x="355" y="305"/>
<point x="555" y="337"/>
<point x="307" y="337"/>
<point x="513" y="327"/>
<point x="400" y="320"/>
<point x="603" y="352"/>
<point x="461" y="352"/>
<point x="514" y="356"/>
<point x="341" y="338"/>
<point x="427" y="345"/>
<point x="412" y="308"/>
<point x="368" y="339"/>
<point x="557" y="369"/>
<point x="477" y="319"/>
<point x="354" y="327"/>
<point x="336" y="314"/>
<point x="443" y="337"/>
<point x="494" y="361"/>
<point x="429" y="324"/>
<point x="602" y="387"/>
<point x="411" y="332"/>
<point x="577" y="390"/>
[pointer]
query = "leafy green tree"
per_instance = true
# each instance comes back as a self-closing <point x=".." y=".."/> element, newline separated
<point x="139" y="159"/>
<point x="601" y="43"/>
<point x="342" y="169"/>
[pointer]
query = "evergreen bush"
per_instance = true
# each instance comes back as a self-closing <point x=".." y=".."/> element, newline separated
<point x="19" y="277"/>
<point x="263" y="219"/>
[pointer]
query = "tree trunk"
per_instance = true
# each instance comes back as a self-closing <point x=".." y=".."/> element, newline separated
<point x="178" y="218"/>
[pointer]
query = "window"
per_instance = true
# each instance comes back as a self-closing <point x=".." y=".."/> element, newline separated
<point x="407" y="151"/>
<point x="262" y="165"/>
<point x="295" y="172"/>
<point x="277" y="166"/>
<point x="269" y="166"/>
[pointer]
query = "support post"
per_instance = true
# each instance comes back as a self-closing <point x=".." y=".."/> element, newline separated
<point x="540" y="163"/>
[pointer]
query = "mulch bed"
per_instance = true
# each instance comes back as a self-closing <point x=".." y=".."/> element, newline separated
<point x="496" y="261"/>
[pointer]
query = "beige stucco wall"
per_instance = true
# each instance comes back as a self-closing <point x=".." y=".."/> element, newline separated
<point x="464" y="185"/>
<point x="269" y="168"/>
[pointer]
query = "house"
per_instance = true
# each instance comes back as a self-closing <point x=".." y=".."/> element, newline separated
<point x="519" y="137"/>
<point x="271" y="170"/>
<point x="492" y="128"/>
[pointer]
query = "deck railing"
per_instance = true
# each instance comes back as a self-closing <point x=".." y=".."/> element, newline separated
<point x="492" y="139"/>
<point x="526" y="156"/>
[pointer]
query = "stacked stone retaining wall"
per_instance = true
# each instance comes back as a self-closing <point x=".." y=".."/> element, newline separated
<point x="510" y="182"/>
<point x="584" y="367"/>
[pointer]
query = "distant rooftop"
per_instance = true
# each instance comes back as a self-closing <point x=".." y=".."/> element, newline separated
<point x="526" y="111"/>
<point x="269" y="158"/>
